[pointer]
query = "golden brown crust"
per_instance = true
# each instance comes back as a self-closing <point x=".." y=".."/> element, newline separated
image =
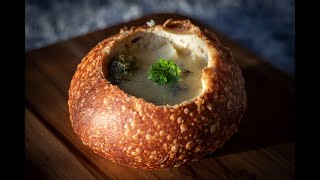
<point x="136" y="133"/>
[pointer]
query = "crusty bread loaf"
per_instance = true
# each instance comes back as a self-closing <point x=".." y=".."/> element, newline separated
<point x="131" y="131"/>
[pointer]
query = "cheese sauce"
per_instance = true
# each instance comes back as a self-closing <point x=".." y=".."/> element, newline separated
<point x="188" y="87"/>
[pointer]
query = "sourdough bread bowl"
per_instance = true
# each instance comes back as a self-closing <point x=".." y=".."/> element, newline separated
<point x="138" y="123"/>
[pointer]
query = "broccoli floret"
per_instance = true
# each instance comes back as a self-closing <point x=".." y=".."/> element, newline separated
<point x="121" y="67"/>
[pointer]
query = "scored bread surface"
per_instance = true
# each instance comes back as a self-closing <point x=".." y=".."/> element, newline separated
<point x="137" y="133"/>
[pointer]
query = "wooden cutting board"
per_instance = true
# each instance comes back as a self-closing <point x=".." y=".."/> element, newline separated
<point x="264" y="147"/>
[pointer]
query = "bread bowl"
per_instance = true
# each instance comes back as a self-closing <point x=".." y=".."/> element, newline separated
<point x="138" y="131"/>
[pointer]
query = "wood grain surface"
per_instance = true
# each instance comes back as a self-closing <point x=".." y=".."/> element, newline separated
<point x="264" y="147"/>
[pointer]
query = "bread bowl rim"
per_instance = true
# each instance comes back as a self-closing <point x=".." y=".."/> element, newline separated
<point x="188" y="27"/>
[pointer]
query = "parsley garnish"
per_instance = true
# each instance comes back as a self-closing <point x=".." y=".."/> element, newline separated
<point x="164" y="72"/>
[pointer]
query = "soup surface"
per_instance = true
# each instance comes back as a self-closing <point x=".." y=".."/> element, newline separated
<point x="188" y="87"/>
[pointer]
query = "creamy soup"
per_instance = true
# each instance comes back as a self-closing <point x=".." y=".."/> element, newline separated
<point x="188" y="87"/>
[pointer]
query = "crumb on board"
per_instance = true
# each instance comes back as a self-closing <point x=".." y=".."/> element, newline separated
<point x="151" y="23"/>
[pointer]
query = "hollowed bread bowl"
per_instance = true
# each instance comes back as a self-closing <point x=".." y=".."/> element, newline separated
<point x="137" y="132"/>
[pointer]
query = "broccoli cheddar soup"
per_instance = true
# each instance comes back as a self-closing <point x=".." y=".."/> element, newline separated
<point x="138" y="61"/>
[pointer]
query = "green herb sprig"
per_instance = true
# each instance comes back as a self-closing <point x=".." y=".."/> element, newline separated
<point x="164" y="72"/>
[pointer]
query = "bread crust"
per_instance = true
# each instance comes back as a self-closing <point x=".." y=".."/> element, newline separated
<point x="137" y="133"/>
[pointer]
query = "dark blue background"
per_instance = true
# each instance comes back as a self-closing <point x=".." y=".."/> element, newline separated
<point x="267" y="27"/>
